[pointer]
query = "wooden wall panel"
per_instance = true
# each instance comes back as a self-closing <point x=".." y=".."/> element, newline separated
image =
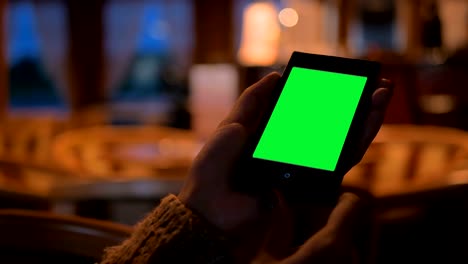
<point x="3" y="62"/>
<point x="86" y="61"/>
<point x="214" y="34"/>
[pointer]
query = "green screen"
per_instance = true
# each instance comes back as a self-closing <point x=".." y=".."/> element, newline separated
<point x="311" y="119"/>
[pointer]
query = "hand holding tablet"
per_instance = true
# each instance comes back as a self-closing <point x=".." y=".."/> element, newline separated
<point x="316" y="117"/>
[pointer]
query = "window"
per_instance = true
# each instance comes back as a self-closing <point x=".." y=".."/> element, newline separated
<point x="31" y="79"/>
<point x="376" y="27"/>
<point x="152" y="57"/>
<point x="149" y="52"/>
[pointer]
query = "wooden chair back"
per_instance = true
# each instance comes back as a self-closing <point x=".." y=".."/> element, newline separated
<point x="126" y="151"/>
<point x="41" y="237"/>
<point x="403" y="108"/>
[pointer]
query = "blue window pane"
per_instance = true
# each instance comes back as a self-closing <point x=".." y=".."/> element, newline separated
<point x="23" y="40"/>
<point x="154" y="34"/>
<point x="30" y="85"/>
<point x="156" y="55"/>
<point x="164" y="39"/>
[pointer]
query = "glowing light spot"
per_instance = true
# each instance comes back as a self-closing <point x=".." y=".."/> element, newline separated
<point x="288" y="17"/>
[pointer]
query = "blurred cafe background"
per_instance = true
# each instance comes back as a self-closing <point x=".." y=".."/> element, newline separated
<point x="104" y="103"/>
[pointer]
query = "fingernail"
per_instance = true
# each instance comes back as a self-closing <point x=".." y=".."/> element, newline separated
<point x="382" y="97"/>
<point x="386" y="83"/>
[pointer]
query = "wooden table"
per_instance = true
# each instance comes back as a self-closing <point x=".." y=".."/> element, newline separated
<point x="32" y="186"/>
<point x="413" y="160"/>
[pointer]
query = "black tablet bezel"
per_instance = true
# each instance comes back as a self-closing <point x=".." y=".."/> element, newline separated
<point x="298" y="180"/>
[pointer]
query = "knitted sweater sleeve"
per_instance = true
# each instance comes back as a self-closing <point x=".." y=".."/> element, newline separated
<point x="172" y="233"/>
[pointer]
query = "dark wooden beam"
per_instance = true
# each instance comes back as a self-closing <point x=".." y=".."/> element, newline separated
<point x="86" y="57"/>
<point x="4" y="87"/>
<point x="414" y="45"/>
<point x="214" y="40"/>
<point x="346" y="13"/>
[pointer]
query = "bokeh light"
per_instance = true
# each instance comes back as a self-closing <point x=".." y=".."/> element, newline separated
<point x="288" y="17"/>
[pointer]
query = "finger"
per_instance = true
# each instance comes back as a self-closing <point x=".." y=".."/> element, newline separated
<point x="380" y="100"/>
<point x="346" y="215"/>
<point x="333" y="241"/>
<point x="218" y="156"/>
<point x="279" y="240"/>
<point x="251" y="104"/>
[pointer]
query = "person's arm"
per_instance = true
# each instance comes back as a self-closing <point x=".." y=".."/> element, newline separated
<point x="172" y="233"/>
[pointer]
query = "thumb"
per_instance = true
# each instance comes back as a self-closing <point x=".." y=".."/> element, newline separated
<point x="218" y="156"/>
<point x="333" y="242"/>
<point x="281" y="230"/>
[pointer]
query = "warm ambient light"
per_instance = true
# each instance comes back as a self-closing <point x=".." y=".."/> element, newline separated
<point x="288" y="17"/>
<point x="260" y="35"/>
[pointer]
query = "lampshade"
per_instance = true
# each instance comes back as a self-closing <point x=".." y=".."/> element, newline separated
<point x="213" y="91"/>
<point x="260" y="35"/>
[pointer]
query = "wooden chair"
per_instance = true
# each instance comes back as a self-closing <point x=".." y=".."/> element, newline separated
<point x="403" y="108"/>
<point x="122" y="201"/>
<point x="27" y="185"/>
<point x="457" y="66"/>
<point x="126" y="151"/>
<point x="35" y="237"/>
<point x="419" y="178"/>
<point x="29" y="139"/>
<point x="125" y="170"/>
<point x="406" y="159"/>
<point x="11" y="199"/>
